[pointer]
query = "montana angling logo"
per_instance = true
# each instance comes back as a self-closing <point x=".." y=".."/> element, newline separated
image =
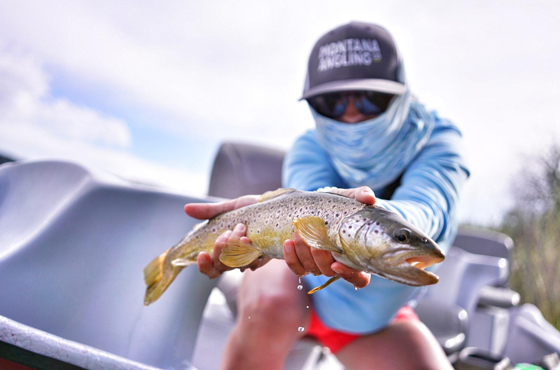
<point x="349" y="52"/>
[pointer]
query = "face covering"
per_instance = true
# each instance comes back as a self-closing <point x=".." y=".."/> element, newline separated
<point x="377" y="151"/>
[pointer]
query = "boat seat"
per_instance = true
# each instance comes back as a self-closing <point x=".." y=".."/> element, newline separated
<point x="73" y="246"/>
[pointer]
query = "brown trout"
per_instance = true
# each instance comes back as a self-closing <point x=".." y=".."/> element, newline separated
<point x="364" y="237"/>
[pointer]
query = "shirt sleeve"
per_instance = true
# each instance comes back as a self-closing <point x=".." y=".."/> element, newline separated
<point x="429" y="192"/>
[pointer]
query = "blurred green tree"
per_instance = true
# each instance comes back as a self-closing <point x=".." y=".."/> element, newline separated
<point x="534" y="224"/>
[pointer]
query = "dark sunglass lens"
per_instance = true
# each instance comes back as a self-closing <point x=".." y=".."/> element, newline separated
<point x="337" y="104"/>
<point x="366" y="107"/>
<point x="329" y="105"/>
<point x="375" y="101"/>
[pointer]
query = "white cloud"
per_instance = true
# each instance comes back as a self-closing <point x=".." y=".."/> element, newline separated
<point x="36" y="125"/>
<point x="26" y="105"/>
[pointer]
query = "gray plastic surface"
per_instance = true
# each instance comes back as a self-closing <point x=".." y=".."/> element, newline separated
<point x="447" y="321"/>
<point x="531" y="337"/>
<point x="73" y="246"/>
<point x="241" y="169"/>
<point x="68" y="352"/>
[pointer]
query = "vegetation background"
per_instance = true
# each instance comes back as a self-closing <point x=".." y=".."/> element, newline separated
<point x="533" y="223"/>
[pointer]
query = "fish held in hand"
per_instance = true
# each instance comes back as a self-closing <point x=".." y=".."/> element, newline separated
<point x="364" y="237"/>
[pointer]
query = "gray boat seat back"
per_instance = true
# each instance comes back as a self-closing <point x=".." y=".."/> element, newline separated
<point x="531" y="336"/>
<point x="241" y="169"/>
<point x="73" y="246"/>
<point x="483" y="241"/>
<point x="486" y="242"/>
<point x="464" y="274"/>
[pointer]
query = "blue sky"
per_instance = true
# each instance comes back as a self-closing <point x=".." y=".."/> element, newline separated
<point x="148" y="90"/>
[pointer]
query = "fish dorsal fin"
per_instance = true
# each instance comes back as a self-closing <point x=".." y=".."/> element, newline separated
<point x="275" y="193"/>
<point x="238" y="254"/>
<point x="313" y="231"/>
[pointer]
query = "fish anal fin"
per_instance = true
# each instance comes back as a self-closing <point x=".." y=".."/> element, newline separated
<point x="326" y="284"/>
<point x="275" y="193"/>
<point x="313" y="231"/>
<point x="181" y="262"/>
<point x="239" y="254"/>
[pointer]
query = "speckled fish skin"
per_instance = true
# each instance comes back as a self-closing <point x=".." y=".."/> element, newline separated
<point x="269" y="223"/>
<point x="360" y="236"/>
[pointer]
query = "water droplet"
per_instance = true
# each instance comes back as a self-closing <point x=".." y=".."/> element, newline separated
<point x="356" y="288"/>
<point x="307" y="306"/>
<point x="249" y="317"/>
<point x="300" y="287"/>
<point x="300" y="328"/>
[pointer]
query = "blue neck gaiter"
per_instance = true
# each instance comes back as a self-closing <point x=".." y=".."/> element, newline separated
<point x="376" y="152"/>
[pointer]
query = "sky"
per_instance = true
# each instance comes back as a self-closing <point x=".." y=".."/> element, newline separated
<point x="148" y="90"/>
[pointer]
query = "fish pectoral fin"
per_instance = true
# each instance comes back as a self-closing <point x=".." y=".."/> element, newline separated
<point x="181" y="262"/>
<point x="313" y="231"/>
<point x="239" y="254"/>
<point x="275" y="193"/>
<point x="326" y="284"/>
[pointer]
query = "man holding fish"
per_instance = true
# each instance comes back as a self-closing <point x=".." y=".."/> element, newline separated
<point x="371" y="133"/>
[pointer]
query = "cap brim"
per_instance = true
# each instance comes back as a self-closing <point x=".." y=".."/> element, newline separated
<point x="384" y="86"/>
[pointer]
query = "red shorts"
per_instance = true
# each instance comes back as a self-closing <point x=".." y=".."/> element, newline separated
<point x="335" y="340"/>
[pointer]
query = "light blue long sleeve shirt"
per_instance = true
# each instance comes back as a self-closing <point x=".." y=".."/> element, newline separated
<point x="427" y="197"/>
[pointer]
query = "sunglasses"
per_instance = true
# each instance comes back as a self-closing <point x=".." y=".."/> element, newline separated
<point x="367" y="102"/>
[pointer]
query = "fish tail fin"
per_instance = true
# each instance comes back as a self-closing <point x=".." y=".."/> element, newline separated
<point x="158" y="276"/>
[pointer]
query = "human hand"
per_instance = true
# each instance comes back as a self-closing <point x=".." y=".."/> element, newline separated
<point x="302" y="259"/>
<point x="210" y="265"/>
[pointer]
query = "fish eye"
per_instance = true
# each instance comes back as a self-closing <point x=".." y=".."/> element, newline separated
<point x="402" y="235"/>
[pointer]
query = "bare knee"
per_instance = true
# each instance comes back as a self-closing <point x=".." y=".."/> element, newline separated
<point x="406" y="344"/>
<point x="276" y="310"/>
<point x="270" y="301"/>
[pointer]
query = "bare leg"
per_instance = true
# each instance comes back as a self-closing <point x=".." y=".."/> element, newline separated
<point x="407" y="344"/>
<point x="270" y="311"/>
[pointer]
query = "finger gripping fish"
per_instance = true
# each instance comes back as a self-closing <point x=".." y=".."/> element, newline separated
<point x="363" y="237"/>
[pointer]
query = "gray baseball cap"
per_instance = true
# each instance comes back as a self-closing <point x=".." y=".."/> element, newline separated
<point x="353" y="57"/>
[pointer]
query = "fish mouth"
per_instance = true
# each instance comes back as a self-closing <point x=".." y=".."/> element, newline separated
<point x="409" y="268"/>
<point x="414" y="269"/>
<point x="421" y="262"/>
